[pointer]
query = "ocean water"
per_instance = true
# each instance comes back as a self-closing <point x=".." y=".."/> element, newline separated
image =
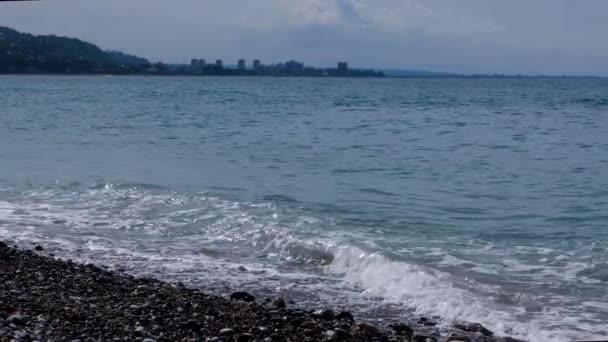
<point x="459" y="199"/>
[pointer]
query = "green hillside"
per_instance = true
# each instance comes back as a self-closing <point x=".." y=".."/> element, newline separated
<point x="27" y="53"/>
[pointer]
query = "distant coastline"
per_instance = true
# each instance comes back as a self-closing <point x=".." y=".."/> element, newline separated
<point x="27" y="54"/>
<point x="24" y="53"/>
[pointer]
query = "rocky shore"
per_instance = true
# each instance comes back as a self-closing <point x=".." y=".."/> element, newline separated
<point x="46" y="299"/>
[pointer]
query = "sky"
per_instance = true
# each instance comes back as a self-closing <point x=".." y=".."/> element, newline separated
<point x="553" y="37"/>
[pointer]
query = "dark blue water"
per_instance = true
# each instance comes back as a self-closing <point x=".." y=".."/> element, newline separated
<point x="484" y="200"/>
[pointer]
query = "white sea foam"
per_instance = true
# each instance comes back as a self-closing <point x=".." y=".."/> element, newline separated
<point x="431" y="293"/>
<point x="163" y="234"/>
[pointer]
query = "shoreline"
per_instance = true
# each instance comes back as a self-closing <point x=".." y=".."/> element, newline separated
<point x="43" y="298"/>
<point x="434" y="77"/>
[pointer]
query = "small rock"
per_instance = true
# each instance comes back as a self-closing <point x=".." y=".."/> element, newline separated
<point x="510" y="339"/>
<point x="38" y="248"/>
<point x="298" y="313"/>
<point x="345" y="315"/>
<point x="3" y="245"/>
<point x="8" y="309"/>
<point x="297" y="321"/>
<point x="226" y="331"/>
<point x="278" y="318"/>
<point x="324" y="314"/>
<point x="242" y="269"/>
<point x="279" y="303"/>
<point x="18" y="319"/>
<point x="245" y="338"/>
<point x="473" y="327"/>
<point x="403" y="330"/>
<point x="20" y="334"/>
<point x="422" y="338"/>
<point x="330" y="335"/>
<point x="426" y="321"/>
<point x="459" y="338"/>
<point x="148" y="340"/>
<point x="244" y="296"/>
<point x="368" y="329"/>
<point x="341" y="333"/>
<point x="192" y="326"/>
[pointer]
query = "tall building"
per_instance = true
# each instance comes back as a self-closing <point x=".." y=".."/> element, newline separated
<point x="294" y="66"/>
<point x="256" y="64"/>
<point x="201" y="64"/>
<point x="342" y="67"/>
<point x="241" y="64"/>
<point x="194" y="64"/>
<point x="219" y="64"/>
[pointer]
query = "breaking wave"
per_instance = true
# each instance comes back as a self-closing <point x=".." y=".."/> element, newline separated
<point x="217" y="243"/>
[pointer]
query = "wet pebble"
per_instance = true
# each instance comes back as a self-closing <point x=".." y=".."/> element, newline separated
<point x="243" y="296"/>
<point x="403" y="330"/>
<point x="226" y="331"/>
<point x="345" y="315"/>
<point x="279" y="303"/>
<point x="18" y="319"/>
<point x="245" y="337"/>
<point x="46" y="299"/>
<point x="326" y="314"/>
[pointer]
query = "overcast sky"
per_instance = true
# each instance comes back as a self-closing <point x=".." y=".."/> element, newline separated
<point x="514" y="36"/>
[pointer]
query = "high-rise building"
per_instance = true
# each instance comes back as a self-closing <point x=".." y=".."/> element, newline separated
<point x="241" y="64"/>
<point x="256" y="64"/>
<point x="219" y="64"/>
<point x="194" y="64"/>
<point x="294" y="66"/>
<point x="342" y="67"/>
<point x="201" y="64"/>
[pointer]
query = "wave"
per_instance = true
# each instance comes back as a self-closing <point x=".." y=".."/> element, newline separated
<point x="375" y="191"/>
<point x="208" y="241"/>
<point x="594" y="102"/>
<point x="279" y="198"/>
<point x="128" y="186"/>
<point x="430" y="293"/>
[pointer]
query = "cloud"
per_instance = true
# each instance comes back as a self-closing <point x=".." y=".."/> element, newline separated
<point x="392" y="17"/>
<point x="544" y="36"/>
<point x="387" y="32"/>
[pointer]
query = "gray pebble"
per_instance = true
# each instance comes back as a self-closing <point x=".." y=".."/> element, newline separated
<point x="18" y="319"/>
<point x="226" y="331"/>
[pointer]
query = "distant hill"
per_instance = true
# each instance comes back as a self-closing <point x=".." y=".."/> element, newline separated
<point x="27" y="53"/>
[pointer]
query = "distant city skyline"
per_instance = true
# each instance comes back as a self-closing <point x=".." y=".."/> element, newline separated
<point x="199" y="66"/>
<point x="251" y="62"/>
<point x="551" y="37"/>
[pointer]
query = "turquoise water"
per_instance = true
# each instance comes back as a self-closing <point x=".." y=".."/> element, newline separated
<point x="484" y="200"/>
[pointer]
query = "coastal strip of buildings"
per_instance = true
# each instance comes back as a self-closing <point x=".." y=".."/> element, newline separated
<point x="288" y="68"/>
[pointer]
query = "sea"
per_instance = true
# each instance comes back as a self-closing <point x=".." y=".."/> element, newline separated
<point x="483" y="200"/>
